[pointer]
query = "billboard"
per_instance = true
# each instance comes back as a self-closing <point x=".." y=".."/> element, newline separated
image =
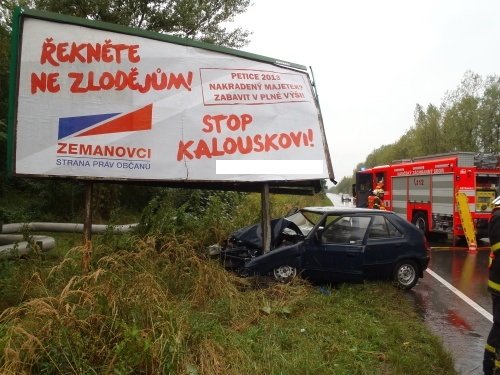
<point x="100" y="101"/>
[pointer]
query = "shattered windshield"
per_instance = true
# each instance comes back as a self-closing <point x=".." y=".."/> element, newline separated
<point x="305" y="220"/>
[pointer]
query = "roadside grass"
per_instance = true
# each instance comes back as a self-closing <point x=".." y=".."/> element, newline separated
<point x="158" y="306"/>
<point x="14" y="273"/>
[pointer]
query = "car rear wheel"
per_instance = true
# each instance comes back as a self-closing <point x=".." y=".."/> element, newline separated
<point x="406" y="275"/>
<point x="284" y="274"/>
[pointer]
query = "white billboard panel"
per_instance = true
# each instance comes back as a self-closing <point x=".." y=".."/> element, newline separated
<point x="94" y="103"/>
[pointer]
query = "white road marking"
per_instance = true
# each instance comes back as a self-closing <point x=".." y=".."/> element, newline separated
<point x="466" y="299"/>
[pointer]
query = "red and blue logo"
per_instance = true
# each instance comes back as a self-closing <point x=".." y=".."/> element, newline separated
<point x="82" y="126"/>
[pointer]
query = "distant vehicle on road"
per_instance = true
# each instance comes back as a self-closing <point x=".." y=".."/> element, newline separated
<point x="346" y="198"/>
<point x="332" y="244"/>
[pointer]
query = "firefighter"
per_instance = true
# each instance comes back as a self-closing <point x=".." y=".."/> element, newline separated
<point x="491" y="362"/>
<point x="371" y="199"/>
<point x="379" y="199"/>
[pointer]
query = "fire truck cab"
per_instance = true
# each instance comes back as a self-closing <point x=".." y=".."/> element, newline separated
<point x="423" y="190"/>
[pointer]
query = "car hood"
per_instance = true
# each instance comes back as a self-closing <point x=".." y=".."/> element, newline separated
<point x="251" y="235"/>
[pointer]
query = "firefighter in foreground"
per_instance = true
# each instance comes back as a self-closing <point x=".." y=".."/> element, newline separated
<point x="491" y="362"/>
<point x="376" y="200"/>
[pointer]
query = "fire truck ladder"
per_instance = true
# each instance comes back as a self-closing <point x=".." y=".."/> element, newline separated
<point x="466" y="219"/>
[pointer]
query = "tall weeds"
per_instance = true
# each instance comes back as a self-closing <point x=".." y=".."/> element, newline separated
<point x="143" y="310"/>
<point x="154" y="304"/>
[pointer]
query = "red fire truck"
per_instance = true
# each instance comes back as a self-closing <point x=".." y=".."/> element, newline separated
<point x="423" y="189"/>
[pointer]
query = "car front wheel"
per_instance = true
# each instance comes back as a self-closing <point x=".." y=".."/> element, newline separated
<point x="406" y="275"/>
<point x="284" y="274"/>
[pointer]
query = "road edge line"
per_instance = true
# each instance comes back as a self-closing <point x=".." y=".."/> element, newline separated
<point x="466" y="299"/>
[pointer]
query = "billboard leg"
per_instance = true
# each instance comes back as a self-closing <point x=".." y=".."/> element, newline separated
<point x="266" y="218"/>
<point x="87" y="228"/>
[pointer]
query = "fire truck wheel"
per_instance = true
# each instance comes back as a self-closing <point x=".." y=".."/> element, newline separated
<point x="405" y="274"/>
<point x="420" y="221"/>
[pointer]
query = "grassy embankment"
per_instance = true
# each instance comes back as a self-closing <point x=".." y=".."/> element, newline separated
<point x="157" y="305"/>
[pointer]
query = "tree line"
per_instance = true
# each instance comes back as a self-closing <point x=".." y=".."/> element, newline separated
<point x="468" y="119"/>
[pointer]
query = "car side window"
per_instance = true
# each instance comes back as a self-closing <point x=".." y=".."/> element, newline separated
<point x="345" y="230"/>
<point x="383" y="228"/>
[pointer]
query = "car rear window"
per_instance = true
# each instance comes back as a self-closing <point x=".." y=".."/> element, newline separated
<point x="383" y="228"/>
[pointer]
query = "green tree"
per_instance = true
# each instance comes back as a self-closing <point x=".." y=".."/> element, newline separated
<point x="461" y="116"/>
<point x="4" y="84"/>
<point x="385" y="154"/>
<point x="467" y="120"/>
<point x="489" y="117"/>
<point x="205" y="20"/>
<point x="428" y="137"/>
<point x="405" y="147"/>
<point x="461" y="124"/>
<point x="344" y="186"/>
<point x="7" y="9"/>
<point x="4" y="71"/>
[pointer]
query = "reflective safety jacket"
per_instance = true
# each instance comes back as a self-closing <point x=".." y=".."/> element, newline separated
<point x="494" y="263"/>
<point x="371" y="201"/>
<point x="378" y="203"/>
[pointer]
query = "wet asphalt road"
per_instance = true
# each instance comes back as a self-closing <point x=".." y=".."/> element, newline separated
<point x="462" y="325"/>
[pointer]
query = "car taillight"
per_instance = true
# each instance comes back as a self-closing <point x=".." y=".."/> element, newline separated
<point x="426" y="245"/>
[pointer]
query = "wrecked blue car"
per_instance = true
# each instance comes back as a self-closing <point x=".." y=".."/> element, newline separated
<point x="332" y="244"/>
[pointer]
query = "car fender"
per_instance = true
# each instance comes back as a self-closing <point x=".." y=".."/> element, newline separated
<point x="286" y="255"/>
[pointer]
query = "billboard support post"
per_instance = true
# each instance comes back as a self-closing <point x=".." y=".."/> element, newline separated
<point x="87" y="228"/>
<point x="266" y="218"/>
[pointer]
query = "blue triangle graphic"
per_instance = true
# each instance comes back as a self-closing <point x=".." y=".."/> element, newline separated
<point x="72" y="125"/>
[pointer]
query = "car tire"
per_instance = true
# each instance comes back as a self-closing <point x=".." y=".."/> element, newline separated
<point x="420" y="221"/>
<point x="284" y="274"/>
<point x="405" y="275"/>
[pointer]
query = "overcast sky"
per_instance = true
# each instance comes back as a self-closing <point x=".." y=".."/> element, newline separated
<point x="373" y="61"/>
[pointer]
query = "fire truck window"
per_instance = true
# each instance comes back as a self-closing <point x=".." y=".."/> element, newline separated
<point x="380" y="179"/>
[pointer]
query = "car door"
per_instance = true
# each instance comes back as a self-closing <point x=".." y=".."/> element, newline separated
<point x="336" y="252"/>
<point x="384" y="246"/>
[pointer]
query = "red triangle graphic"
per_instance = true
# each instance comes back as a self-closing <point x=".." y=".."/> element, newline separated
<point x="133" y="121"/>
